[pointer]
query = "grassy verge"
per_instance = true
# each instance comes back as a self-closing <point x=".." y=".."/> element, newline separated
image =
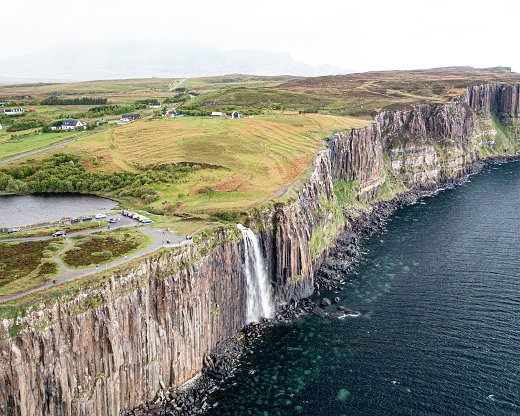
<point x="12" y="144"/>
<point x="42" y="232"/>
<point x="183" y="227"/>
<point x="27" y="264"/>
<point x="101" y="248"/>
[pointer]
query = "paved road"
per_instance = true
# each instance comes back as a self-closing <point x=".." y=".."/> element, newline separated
<point x="67" y="274"/>
<point x="53" y="146"/>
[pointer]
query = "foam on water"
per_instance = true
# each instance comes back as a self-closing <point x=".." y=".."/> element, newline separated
<point x="446" y="330"/>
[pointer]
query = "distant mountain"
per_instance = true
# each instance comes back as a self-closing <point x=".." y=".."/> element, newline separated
<point x="135" y="59"/>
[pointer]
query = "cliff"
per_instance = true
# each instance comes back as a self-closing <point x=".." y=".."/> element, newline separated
<point x="114" y="345"/>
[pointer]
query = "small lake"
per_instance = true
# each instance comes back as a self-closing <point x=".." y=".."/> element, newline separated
<point x="20" y="210"/>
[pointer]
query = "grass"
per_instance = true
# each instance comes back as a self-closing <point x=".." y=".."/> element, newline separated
<point x="117" y="91"/>
<point x="27" y="264"/>
<point x="101" y="248"/>
<point x="362" y="94"/>
<point x="241" y="162"/>
<point x="12" y="144"/>
<point x="183" y="227"/>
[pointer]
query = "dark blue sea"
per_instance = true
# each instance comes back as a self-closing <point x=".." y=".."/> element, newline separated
<point x="439" y="330"/>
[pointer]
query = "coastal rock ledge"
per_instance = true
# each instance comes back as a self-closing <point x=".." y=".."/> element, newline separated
<point x="150" y="325"/>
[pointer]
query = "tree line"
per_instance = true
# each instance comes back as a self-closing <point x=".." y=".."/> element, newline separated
<point x="65" y="173"/>
<point x="53" y="100"/>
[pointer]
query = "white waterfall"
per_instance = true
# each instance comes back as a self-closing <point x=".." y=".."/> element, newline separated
<point x="259" y="303"/>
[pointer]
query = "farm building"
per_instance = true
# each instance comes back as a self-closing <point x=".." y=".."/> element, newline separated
<point x="13" y="111"/>
<point x="130" y="117"/>
<point x="218" y="114"/>
<point x="172" y="113"/>
<point x="72" y="125"/>
<point x="154" y="105"/>
<point x="236" y="114"/>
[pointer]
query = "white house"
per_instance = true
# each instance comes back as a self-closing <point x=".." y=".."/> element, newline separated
<point x="13" y="111"/>
<point x="154" y="105"/>
<point x="218" y="114"/>
<point x="73" y="125"/>
<point x="236" y="114"/>
<point x="1" y="127"/>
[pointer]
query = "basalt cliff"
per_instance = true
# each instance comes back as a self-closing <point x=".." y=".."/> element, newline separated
<point x="115" y="345"/>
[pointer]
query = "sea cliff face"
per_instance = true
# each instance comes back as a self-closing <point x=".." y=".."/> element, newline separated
<point x="148" y="326"/>
<point x="70" y="360"/>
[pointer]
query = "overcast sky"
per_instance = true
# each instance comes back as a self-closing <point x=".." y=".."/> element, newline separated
<point x="360" y="35"/>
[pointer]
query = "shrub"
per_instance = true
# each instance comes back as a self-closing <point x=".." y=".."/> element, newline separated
<point x="25" y="124"/>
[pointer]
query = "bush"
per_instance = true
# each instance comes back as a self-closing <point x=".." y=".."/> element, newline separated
<point x="103" y="254"/>
<point x="53" y="100"/>
<point x="227" y="216"/>
<point x="25" y="124"/>
<point x="64" y="173"/>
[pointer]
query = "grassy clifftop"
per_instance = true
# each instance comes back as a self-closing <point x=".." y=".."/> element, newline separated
<point x="232" y="164"/>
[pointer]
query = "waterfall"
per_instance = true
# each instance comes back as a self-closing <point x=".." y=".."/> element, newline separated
<point x="259" y="303"/>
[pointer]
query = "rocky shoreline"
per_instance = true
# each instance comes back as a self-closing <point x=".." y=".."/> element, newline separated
<point x="220" y="364"/>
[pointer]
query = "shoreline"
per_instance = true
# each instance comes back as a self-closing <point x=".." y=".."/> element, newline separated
<point x="220" y="364"/>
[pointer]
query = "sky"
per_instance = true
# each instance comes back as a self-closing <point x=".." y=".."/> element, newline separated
<point x="359" y="35"/>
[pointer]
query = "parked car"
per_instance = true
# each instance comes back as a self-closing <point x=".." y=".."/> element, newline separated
<point x="146" y="220"/>
<point x="59" y="234"/>
<point x="86" y="219"/>
<point x="100" y="216"/>
<point x="75" y="220"/>
<point x="112" y="220"/>
<point x="135" y="216"/>
<point x="189" y="237"/>
<point x="13" y="230"/>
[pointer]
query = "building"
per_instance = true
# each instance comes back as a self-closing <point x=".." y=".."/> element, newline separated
<point x="236" y="114"/>
<point x="130" y="117"/>
<point x="72" y="125"/>
<point x="1" y="127"/>
<point x="13" y="111"/>
<point x="154" y="105"/>
<point x="218" y="114"/>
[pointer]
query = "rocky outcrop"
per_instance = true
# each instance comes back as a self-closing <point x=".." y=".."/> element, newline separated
<point x="75" y="358"/>
<point x="116" y="345"/>
<point x="358" y="156"/>
<point x="287" y="230"/>
<point x="454" y="120"/>
<point x="504" y="99"/>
